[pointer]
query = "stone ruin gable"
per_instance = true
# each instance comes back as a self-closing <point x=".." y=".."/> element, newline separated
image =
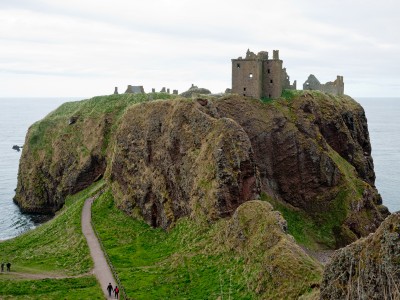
<point x="286" y="81"/>
<point x="258" y="76"/>
<point x="312" y="83"/>
<point x="133" y="89"/>
<point x="336" y="87"/>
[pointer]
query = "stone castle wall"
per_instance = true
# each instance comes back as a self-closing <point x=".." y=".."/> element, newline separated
<point x="258" y="76"/>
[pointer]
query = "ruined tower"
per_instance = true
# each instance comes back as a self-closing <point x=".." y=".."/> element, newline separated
<point x="258" y="76"/>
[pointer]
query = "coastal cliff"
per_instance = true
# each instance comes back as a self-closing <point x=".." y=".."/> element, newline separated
<point x="309" y="155"/>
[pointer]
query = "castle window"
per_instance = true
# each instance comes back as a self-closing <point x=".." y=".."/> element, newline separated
<point x="271" y="81"/>
<point x="244" y="89"/>
<point x="251" y="75"/>
<point x="269" y="71"/>
<point x="238" y="66"/>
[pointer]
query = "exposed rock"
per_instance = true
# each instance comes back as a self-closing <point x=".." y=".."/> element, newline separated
<point x="17" y="148"/>
<point x="72" y="120"/>
<point x="295" y="158"/>
<point x="172" y="159"/>
<point x="194" y="90"/>
<point x="367" y="269"/>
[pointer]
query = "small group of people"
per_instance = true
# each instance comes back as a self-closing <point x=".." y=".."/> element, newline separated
<point x="111" y="289"/>
<point x="8" y="265"/>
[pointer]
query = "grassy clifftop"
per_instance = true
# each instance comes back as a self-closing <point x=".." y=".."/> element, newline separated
<point x="308" y="153"/>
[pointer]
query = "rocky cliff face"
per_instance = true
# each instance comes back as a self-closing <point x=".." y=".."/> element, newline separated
<point x="368" y="268"/>
<point x="204" y="157"/>
<point x="313" y="152"/>
<point x="174" y="159"/>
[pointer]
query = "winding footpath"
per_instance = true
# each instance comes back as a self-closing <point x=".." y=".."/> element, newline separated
<point x="101" y="269"/>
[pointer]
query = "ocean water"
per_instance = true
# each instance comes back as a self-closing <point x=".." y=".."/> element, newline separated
<point x="17" y="114"/>
<point x="384" y="128"/>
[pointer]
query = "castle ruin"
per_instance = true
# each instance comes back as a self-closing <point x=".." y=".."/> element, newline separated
<point x="134" y="89"/>
<point x="258" y="76"/>
<point x="336" y="87"/>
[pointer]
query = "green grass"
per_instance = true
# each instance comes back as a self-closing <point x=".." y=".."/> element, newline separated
<point x="154" y="264"/>
<point x="266" y="100"/>
<point x="192" y="261"/>
<point x="291" y="94"/>
<point x="68" y="288"/>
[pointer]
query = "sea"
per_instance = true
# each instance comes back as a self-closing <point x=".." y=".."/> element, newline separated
<point x="17" y="114"/>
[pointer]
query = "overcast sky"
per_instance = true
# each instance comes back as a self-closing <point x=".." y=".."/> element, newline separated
<point x="86" y="48"/>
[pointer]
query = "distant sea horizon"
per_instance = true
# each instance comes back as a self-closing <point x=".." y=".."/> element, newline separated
<point x="18" y="113"/>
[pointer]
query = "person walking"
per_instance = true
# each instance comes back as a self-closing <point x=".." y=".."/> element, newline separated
<point x="8" y="267"/>
<point x="2" y="267"/>
<point x="109" y="289"/>
<point x="116" y="292"/>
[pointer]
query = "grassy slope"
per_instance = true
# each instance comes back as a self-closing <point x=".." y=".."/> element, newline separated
<point x="192" y="261"/>
<point x="57" y="247"/>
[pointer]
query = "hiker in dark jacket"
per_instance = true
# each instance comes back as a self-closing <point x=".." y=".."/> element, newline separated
<point x="8" y="267"/>
<point x="2" y="267"/>
<point x="109" y="289"/>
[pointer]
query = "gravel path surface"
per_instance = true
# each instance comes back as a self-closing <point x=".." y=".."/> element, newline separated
<point x="101" y="269"/>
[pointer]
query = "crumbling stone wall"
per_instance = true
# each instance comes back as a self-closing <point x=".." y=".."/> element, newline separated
<point x="336" y="87"/>
<point x="286" y="81"/>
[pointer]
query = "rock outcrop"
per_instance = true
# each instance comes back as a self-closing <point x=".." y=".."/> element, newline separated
<point x="368" y="268"/>
<point x="258" y="234"/>
<point x="195" y="90"/>
<point x="204" y="157"/>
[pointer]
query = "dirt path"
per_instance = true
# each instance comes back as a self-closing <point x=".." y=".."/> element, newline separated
<point x="101" y="269"/>
<point x="38" y="276"/>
